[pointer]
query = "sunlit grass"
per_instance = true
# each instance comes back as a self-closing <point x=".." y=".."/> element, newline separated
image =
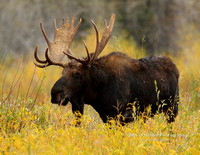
<point x="30" y="124"/>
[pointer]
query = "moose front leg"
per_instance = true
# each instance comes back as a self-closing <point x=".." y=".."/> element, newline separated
<point x="77" y="109"/>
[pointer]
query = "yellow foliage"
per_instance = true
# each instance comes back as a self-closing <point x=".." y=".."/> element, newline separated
<point x="30" y="124"/>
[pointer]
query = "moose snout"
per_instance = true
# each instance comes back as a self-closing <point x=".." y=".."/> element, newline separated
<point x="59" y="99"/>
<point x="56" y="97"/>
<point x="58" y="94"/>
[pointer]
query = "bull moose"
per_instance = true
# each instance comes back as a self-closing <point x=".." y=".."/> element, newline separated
<point x="110" y="83"/>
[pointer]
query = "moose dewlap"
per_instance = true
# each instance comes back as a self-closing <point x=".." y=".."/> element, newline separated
<point x="110" y="83"/>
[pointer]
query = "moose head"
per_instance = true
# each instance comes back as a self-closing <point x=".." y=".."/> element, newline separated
<point x="75" y="75"/>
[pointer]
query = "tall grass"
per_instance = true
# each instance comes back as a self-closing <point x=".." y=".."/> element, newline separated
<point x="30" y="124"/>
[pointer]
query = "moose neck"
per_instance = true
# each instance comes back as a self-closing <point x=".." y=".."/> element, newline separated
<point x="96" y="83"/>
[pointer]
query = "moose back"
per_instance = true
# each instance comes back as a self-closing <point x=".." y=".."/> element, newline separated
<point x="113" y="83"/>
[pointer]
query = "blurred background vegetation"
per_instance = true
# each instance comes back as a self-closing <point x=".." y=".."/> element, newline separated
<point x="156" y="25"/>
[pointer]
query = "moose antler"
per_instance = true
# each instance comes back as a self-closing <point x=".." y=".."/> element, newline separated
<point x="106" y="35"/>
<point x="99" y="45"/>
<point x="62" y="41"/>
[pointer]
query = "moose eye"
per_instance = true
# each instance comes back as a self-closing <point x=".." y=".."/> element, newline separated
<point x="77" y="75"/>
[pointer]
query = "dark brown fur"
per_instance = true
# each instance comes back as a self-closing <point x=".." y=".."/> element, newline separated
<point x="115" y="80"/>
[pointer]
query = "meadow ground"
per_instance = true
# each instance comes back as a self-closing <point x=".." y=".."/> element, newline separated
<point x="30" y="124"/>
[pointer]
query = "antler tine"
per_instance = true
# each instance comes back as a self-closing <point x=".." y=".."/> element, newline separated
<point x="68" y="51"/>
<point x="51" y="62"/>
<point x="85" y="62"/>
<point x="71" y="56"/>
<point x="41" y="66"/>
<point x="36" y="57"/>
<point x="87" y="51"/>
<point x="55" y="26"/>
<point x="97" y="40"/>
<point x="112" y="21"/>
<point x="45" y="63"/>
<point x="73" y="20"/>
<point x="67" y="20"/>
<point x="105" y="22"/>
<point x="63" y="20"/>
<point x="45" y="36"/>
<point x="77" y="26"/>
<point x="106" y="35"/>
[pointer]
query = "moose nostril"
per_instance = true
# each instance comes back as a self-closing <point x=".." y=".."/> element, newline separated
<point x="56" y="97"/>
